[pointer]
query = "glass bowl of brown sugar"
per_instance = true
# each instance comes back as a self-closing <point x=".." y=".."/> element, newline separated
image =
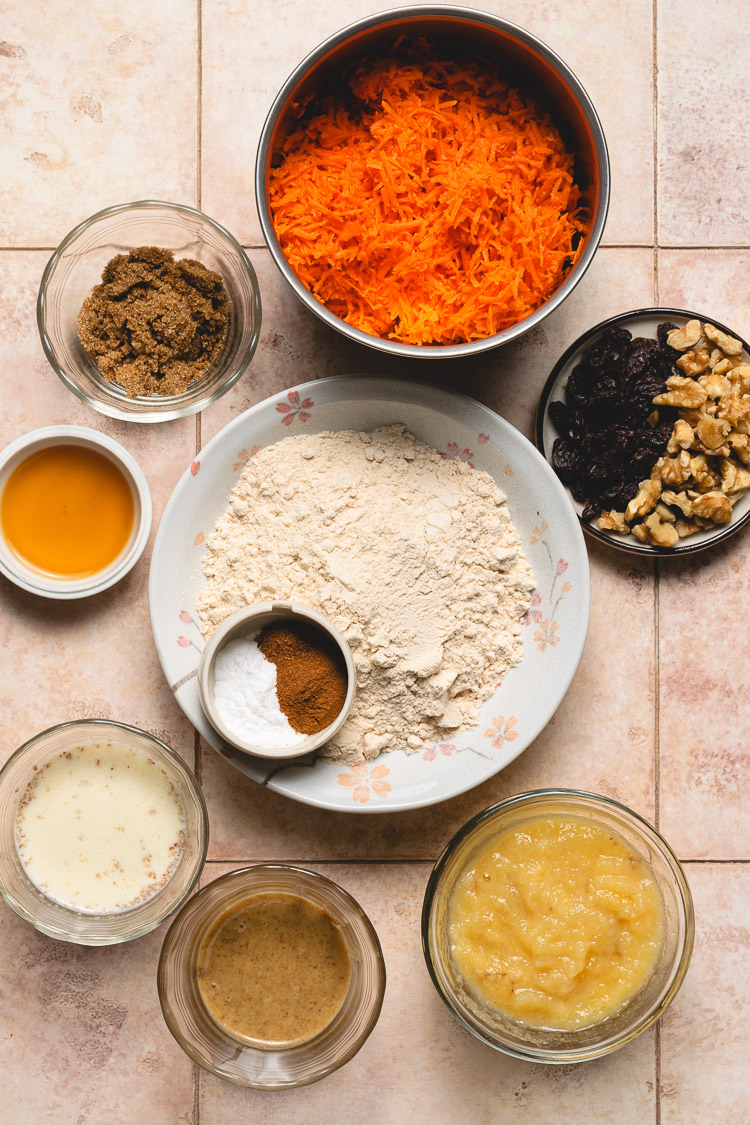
<point x="277" y="679"/>
<point x="149" y="311"/>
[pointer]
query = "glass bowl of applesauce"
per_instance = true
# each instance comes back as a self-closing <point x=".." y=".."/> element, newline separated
<point x="103" y="832"/>
<point x="271" y="977"/>
<point x="557" y="926"/>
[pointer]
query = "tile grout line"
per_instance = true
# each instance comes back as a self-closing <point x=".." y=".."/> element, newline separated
<point x="657" y="575"/>
<point x="657" y="702"/>
<point x="199" y="107"/>
<point x="340" y="862"/>
<point x="602" y="245"/>
<point x="657" y="1071"/>
<point x="657" y="571"/>
<point x="198" y="434"/>
<point x="724" y="861"/>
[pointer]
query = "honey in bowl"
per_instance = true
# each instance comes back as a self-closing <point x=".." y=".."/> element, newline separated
<point x="273" y="970"/>
<point x="67" y="511"/>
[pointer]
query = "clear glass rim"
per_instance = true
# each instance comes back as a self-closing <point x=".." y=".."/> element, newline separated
<point x="685" y="898"/>
<point x="194" y="904"/>
<point x="191" y="784"/>
<point x="173" y="406"/>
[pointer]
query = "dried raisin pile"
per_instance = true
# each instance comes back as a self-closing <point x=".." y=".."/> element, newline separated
<point x="612" y="434"/>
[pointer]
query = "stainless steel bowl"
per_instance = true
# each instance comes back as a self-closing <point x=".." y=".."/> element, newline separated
<point x="521" y="57"/>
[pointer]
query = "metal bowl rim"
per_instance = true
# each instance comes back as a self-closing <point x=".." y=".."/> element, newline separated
<point x="593" y="238"/>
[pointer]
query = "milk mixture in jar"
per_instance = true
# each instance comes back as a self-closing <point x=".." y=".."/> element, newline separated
<point x="100" y="829"/>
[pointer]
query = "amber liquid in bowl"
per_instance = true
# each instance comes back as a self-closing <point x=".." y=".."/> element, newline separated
<point x="273" y="969"/>
<point x="67" y="511"/>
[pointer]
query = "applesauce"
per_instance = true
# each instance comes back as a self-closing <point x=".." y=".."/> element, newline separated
<point x="556" y="923"/>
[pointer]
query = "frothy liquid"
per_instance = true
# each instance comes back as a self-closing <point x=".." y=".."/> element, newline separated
<point x="100" y="829"/>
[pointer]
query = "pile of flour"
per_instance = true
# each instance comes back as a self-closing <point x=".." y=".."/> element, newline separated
<point x="413" y="557"/>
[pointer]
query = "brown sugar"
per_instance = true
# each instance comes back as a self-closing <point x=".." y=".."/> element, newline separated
<point x="311" y="675"/>
<point x="154" y="324"/>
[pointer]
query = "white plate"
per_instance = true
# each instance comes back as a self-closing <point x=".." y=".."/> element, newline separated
<point x="555" y="629"/>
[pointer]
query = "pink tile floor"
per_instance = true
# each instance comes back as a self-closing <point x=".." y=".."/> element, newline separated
<point x="121" y="99"/>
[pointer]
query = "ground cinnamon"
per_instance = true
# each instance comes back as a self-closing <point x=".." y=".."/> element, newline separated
<point x="311" y="676"/>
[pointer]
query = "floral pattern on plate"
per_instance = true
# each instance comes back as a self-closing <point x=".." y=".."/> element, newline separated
<point x="557" y="619"/>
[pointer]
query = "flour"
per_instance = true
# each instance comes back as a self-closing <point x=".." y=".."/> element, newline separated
<point x="413" y="557"/>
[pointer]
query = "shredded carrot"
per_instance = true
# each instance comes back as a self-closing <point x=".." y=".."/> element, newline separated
<point x="437" y="207"/>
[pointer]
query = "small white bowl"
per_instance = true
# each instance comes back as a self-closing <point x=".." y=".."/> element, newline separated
<point x="245" y="622"/>
<point x="46" y="585"/>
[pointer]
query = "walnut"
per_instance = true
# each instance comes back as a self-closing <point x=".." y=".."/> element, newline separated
<point x="735" y="408"/>
<point x="682" y="392"/>
<point x="728" y="344"/>
<point x="694" y="362"/>
<point x="640" y="532"/>
<point x="713" y="506"/>
<point x="653" y="418"/>
<point x="735" y="478"/>
<point x="705" y="480"/>
<point x="722" y="364"/>
<point x="678" y="500"/>
<point x="739" y="378"/>
<point x="644" y="501"/>
<point x="682" y="436"/>
<point x="613" y="521"/>
<point x="740" y="444"/>
<point x="664" y="513"/>
<point x="684" y="527"/>
<point x="687" y="337"/>
<point x="711" y="432"/>
<point x="663" y="534"/>
<point x="673" y="470"/>
<point x="720" y="451"/>
<point x="715" y="385"/>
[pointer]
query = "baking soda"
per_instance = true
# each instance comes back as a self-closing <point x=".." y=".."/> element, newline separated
<point x="245" y="697"/>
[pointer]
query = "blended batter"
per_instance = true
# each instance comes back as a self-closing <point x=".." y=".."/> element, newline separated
<point x="556" y="923"/>
<point x="273" y="968"/>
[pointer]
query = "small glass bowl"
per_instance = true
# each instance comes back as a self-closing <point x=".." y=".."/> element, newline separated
<point x="642" y="1010"/>
<point x="270" y="1068"/>
<point x="76" y="267"/>
<point x="244" y="623"/>
<point x="62" y="922"/>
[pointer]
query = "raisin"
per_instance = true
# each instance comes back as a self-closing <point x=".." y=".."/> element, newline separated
<point x="607" y="445"/>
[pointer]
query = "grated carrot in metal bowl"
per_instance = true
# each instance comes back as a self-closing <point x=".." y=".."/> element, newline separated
<point x="435" y="206"/>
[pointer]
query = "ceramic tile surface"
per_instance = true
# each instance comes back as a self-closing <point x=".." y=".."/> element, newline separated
<point x="82" y="1034"/>
<point x="97" y="106"/>
<point x="420" y="1064"/>
<point x="250" y="62"/>
<point x="704" y="1034"/>
<point x="111" y="101"/>
<point x="702" y="124"/>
